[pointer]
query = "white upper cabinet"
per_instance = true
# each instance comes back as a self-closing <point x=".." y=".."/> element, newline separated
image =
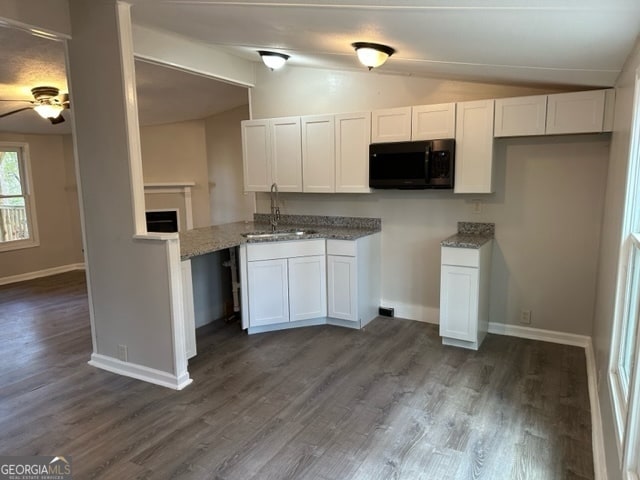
<point x="318" y="154"/>
<point x="256" y="155"/>
<point x="576" y="112"/>
<point x="474" y="147"/>
<point x="286" y="153"/>
<point x="433" y="122"/>
<point x="520" y="116"/>
<point x="391" y="125"/>
<point x="353" y="135"/>
<point x="272" y="152"/>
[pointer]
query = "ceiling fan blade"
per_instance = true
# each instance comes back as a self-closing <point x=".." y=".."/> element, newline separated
<point x="15" y="111"/>
<point x="56" y="120"/>
<point x="14" y="100"/>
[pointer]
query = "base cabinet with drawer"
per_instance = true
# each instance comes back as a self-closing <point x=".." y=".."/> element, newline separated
<point x="283" y="282"/>
<point x="464" y="295"/>
<point x="300" y="283"/>
<point x="353" y="281"/>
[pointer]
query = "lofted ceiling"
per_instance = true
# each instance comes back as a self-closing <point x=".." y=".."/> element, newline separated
<point x="570" y="43"/>
<point x="561" y="42"/>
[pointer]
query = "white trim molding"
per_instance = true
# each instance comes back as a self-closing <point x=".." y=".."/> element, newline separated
<point x="540" y="334"/>
<point x="597" y="436"/>
<point x="41" y="273"/>
<point x="139" y="372"/>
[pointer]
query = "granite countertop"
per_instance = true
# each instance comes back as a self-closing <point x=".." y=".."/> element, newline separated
<point x="200" y="241"/>
<point x="470" y="235"/>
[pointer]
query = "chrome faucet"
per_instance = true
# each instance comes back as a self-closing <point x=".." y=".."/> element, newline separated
<point x="275" y="209"/>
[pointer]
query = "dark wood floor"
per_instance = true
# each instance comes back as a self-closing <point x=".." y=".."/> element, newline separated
<point x="389" y="402"/>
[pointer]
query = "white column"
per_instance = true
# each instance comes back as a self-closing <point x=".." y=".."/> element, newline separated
<point x="134" y="278"/>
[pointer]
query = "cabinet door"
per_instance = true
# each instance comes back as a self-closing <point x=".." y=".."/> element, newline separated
<point x="459" y="303"/>
<point x="391" y="125"/>
<point x="433" y="122"/>
<point x="286" y="153"/>
<point x="268" y="292"/>
<point x="353" y="135"/>
<point x="575" y="112"/>
<point x="307" y="287"/>
<point x="342" y="287"/>
<point x="474" y="147"/>
<point x="256" y="155"/>
<point x="318" y="154"/>
<point x="520" y="116"/>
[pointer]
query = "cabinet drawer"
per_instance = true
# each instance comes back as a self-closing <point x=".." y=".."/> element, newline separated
<point x="464" y="257"/>
<point x="273" y="250"/>
<point x="346" y="248"/>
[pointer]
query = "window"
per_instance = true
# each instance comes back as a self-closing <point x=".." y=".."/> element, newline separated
<point x="624" y="371"/>
<point x="17" y="206"/>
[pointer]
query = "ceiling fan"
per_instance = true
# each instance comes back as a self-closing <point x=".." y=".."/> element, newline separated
<point x="47" y="103"/>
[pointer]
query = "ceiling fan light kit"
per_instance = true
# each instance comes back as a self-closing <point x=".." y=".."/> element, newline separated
<point x="273" y="60"/>
<point x="372" y="55"/>
<point x="48" y="110"/>
<point x="46" y="104"/>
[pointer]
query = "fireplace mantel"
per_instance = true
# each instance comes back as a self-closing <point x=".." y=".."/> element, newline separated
<point x="183" y="188"/>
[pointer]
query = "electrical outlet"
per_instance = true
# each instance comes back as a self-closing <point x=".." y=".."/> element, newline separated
<point x="477" y="205"/>
<point x="525" y="317"/>
<point x="122" y="353"/>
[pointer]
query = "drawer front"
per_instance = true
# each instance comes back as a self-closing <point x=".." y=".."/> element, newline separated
<point x="273" y="250"/>
<point x="464" y="257"/>
<point x="346" y="248"/>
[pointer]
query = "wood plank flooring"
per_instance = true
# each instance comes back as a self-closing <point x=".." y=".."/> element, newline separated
<point x="325" y="403"/>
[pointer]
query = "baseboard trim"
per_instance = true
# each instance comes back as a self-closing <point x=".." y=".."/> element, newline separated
<point x="41" y="273"/>
<point x="540" y="334"/>
<point x="139" y="372"/>
<point x="597" y="436"/>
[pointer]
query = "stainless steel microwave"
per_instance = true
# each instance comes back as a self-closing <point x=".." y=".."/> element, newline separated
<point x="412" y="165"/>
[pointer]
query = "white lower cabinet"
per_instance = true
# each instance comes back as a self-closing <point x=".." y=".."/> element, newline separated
<point x="342" y="284"/>
<point x="269" y="286"/>
<point x="310" y="282"/>
<point x="464" y="295"/>
<point x="353" y="280"/>
<point x="283" y="282"/>
<point x="307" y="288"/>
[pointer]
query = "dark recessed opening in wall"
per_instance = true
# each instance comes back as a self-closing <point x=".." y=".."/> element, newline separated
<point x="162" y="220"/>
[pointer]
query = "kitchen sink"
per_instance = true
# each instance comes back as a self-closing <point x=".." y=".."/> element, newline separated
<point x="278" y="234"/>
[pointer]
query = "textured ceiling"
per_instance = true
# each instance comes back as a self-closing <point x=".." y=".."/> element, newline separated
<point x="165" y="94"/>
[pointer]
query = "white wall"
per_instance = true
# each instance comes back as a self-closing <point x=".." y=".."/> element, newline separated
<point x="611" y="242"/>
<point x="547" y="206"/>
<point x="308" y="91"/>
<point x="56" y="208"/>
<point x="228" y="202"/>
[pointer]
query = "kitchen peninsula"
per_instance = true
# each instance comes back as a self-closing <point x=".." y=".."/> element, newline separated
<point x="328" y="274"/>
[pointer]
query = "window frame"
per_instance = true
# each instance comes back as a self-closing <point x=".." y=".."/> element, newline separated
<point x="26" y="181"/>
<point x="627" y="403"/>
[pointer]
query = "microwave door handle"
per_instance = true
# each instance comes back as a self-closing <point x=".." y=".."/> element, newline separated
<point x="427" y="155"/>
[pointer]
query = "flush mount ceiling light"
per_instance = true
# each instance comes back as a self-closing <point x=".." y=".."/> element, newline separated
<point x="372" y="55"/>
<point x="273" y="60"/>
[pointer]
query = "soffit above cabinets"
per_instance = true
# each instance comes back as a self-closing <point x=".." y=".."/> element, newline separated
<point x="559" y="42"/>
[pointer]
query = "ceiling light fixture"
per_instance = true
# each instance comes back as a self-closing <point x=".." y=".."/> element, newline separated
<point x="372" y="55"/>
<point x="49" y="110"/>
<point x="273" y="60"/>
